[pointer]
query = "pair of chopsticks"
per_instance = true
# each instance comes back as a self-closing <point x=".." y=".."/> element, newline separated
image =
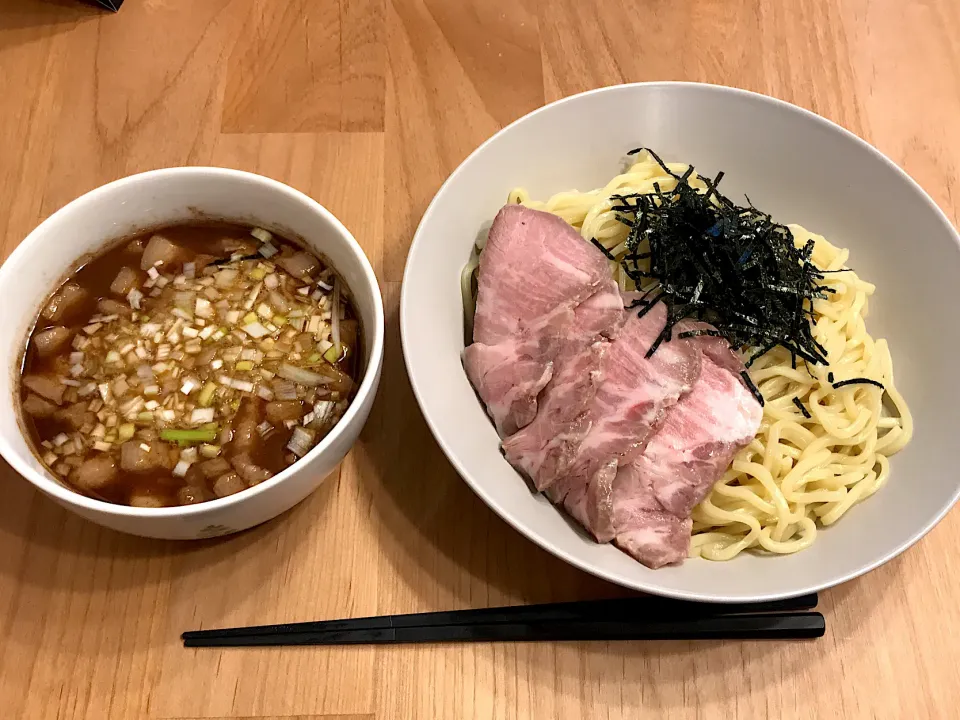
<point x="642" y="618"/>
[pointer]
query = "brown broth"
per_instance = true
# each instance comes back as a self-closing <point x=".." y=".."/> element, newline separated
<point x="96" y="276"/>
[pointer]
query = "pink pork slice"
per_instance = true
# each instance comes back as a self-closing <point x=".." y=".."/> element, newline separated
<point x="628" y="406"/>
<point x="653" y="496"/>
<point x="544" y="449"/>
<point x="534" y="271"/>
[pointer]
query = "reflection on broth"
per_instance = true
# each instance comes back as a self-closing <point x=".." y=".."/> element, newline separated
<point x="187" y="364"/>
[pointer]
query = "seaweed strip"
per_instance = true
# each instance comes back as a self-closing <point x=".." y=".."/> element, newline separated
<point x="724" y="264"/>
<point x="751" y="387"/>
<point x="858" y="381"/>
<point x="606" y="252"/>
<point x="806" y="413"/>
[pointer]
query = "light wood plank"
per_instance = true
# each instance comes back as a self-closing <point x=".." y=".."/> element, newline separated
<point x="443" y="97"/>
<point x="307" y="66"/>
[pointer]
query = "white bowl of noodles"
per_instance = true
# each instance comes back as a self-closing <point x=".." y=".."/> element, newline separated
<point x="811" y="502"/>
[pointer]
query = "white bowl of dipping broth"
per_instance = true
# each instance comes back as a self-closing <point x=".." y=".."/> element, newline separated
<point x="165" y="197"/>
<point x="793" y="164"/>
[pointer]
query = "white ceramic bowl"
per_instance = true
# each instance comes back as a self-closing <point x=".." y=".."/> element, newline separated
<point x="150" y="200"/>
<point x="792" y="163"/>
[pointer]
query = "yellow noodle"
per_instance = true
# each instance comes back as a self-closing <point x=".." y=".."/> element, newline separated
<point x="798" y="473"/>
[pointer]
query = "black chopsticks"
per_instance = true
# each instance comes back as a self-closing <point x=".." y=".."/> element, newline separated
<point x="641" y="618"/>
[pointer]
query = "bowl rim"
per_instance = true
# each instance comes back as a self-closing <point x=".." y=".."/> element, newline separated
<point x="367" y="386"/>
<point x="416" y="248"/>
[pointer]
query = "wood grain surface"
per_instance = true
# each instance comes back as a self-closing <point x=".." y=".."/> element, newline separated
<point x="367" y="105"/>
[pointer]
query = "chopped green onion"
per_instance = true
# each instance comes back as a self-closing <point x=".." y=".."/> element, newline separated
<point x="205" y="398"/>
<point x="209" y="451"/>
<point x="332" y="355"/>
<point x="200" y="435"/>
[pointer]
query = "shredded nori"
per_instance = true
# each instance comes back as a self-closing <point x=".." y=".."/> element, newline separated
<point x="223" y="261"/>
<point x="751" y="387"/>
<point x="858" y="381"/>
<point x="803" y="410"/>
<point x="724" y="264"/>
<point x="830" y="377"/>
<point x="602" y="249"/>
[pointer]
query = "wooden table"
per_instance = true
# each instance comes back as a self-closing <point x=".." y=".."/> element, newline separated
<point x="367" y="105"/>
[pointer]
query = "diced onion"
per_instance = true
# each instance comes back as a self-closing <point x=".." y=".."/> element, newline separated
<point x="201" y="416"/>
<point x="300" y="442"/>
<point x="203" y="308"/>
<point x="226" y="278"/>
<point x="255" y="330"/>
<point x="133" y="406"/>
<point x="120" y="386"/>
<point x="262" y="235"/>
<point x="323" y="410"/>
<point x="304" y="377"/>
<point x="134" y="297"/>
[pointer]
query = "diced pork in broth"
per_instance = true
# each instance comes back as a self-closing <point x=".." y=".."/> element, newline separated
<point x="189" y="364"/>
<point x="162" y="253"/>
<point x="95" y="473"/>
<point x="36" y="406"/>
<point x="127" y="279"/>
<point x="45" y="386"/>
<point x="228" y="484"/>
<point x="52" y="340"/>
<point x="66" y="303"/>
